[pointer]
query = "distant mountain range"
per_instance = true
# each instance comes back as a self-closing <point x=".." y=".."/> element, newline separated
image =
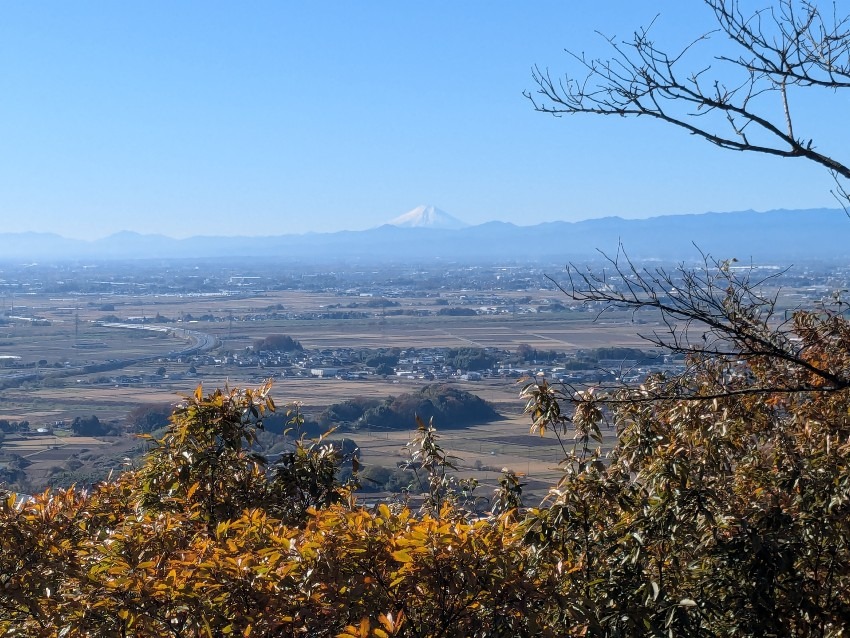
<point x="783" y="236"/>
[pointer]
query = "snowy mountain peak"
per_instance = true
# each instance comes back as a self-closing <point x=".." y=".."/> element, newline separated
<point x="426" y="217"/>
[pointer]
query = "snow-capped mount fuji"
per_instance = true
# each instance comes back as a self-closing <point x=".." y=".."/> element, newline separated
<point x="427" y="217"/>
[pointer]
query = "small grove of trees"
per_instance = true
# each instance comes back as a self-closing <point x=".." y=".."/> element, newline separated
<point x="384" y="369"/>
<point x="347" y="411"/>
<point x="93" y="426"/>
<point x="455" y="311"/>
<point x="526" y="354"/>
<point x="389" y="359"/>
<point x="612" y="356"/>
<point x="470" y="359"/>
<point x="148" y="417"/>
<point x="277" y="343"/>
<point x="444" y="403"/>
<point x="8" y="426"/>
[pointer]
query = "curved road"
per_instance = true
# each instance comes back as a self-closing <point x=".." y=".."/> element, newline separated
<point x="200" y="342"/>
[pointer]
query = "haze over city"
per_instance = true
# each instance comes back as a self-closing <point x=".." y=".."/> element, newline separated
<point x="219" y="119"/>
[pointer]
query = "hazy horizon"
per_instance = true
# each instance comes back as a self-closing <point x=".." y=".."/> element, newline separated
<point x="389" y="223"/>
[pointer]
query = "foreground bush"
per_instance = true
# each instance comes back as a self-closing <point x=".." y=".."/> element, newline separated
<point x="204" y="540"/>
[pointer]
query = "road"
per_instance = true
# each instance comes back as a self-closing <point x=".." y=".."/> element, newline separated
<point x="199" y="342"/>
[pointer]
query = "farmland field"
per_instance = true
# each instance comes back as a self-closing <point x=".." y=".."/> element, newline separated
<point x="53" y="369"/>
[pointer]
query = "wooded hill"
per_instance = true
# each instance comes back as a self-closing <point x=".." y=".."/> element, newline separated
<point x="444" y="403"/>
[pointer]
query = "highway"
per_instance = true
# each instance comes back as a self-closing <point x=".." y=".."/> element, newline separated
<point x="198" y="342"/>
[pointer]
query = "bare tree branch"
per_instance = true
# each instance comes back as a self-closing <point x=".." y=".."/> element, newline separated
<point x="721" y="315"/>
<point x="793" y="44"/>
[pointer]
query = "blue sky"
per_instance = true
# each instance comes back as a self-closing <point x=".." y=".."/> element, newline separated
<point x="275" y="117"/>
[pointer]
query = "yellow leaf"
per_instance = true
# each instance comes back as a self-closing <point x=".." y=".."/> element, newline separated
<point x="387" y="621"/>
